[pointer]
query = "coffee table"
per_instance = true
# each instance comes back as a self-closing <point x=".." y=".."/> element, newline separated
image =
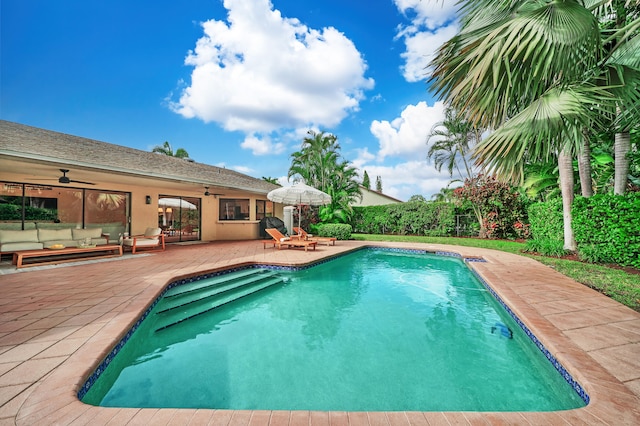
<point x="70" y="254"/>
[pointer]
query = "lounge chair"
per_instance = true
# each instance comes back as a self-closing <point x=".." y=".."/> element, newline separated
<point x="153" y="238"/>
<point x="302" y="235"/>
<point x="280" y="240"/>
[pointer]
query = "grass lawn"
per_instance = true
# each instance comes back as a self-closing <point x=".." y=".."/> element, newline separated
<point x="620" y="285"/>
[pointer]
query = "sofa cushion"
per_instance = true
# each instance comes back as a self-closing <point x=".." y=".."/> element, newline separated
<point x="22" y="245"/>
<point x="27" y="236"/>
<point x="141" y="242"/>
<point x="54" y="234"/>
<point x="81" y="234"/>
<point x="152" y="232"/>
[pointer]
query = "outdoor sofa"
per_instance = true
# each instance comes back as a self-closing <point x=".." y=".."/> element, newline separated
<point x="34" y="239"/>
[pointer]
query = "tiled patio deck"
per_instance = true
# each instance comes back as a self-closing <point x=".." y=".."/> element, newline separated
<point x="57" y="323"/>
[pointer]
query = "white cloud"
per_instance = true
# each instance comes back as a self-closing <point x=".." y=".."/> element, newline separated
<point x="406" y="135"/>
<point x="259" y="71"/>
<point x="421" y="49"/>
<point x="363" y="156"/>
<point x="433" y="22"/>
<point x="262" y="145"/>
<point x="428" y="13"/>
<point x="406" y="179"/>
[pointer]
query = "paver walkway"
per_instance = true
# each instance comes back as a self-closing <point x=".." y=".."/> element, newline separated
<point x="57" y="323"/>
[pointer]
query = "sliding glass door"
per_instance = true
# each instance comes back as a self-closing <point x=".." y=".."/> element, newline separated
<point x="179" y="217"/>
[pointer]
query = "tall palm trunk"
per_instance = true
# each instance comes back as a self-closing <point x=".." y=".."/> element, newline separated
<point x="622" y="146"/>
<point x="584" y="168"/>
<point x="622" y="143"/>
<point x="565" y="167"/>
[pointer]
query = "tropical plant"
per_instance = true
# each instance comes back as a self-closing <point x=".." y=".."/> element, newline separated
<point x="315" y="161"/>
<point x="537" y="73"/>
<point x="344" y="190"/>
<point x="453" y="139"/>
<point x="320" y="165"/>
<point x="271" y="180"/>
<point x="167" y="150"/>
<point x="620" y="24"/>
<point x="501" y="209"/>
<point x="541" y="180"/>
<point x="446" y="194"/>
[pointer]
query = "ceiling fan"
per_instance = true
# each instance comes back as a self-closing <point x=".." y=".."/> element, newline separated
<point x="65" y="179"/>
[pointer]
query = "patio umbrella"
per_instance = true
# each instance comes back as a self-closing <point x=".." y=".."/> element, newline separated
<point x="299" y="194"/>
<point x="176" y="202"/>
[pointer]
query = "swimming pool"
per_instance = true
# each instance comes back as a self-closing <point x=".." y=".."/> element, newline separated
<point x="374" y="330"/>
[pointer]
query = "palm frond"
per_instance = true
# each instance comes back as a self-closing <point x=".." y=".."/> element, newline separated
<point x="509" y="64"/>
<point x="543" y="128"/>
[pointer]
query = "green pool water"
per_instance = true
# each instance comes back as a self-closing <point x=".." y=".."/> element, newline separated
<point x="374" y="330"/>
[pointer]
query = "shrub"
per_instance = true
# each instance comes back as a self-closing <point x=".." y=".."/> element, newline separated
<point x="413" y="217"/>
<point x="500" y="207"/>
<point x="546" y="247"/>
<point x="546" y="220"/>
<point x="341" y="231"/>
<point x="547" y="228"/>
<point x="607" y="228"/>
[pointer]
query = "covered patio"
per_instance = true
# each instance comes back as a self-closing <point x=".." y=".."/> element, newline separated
<point x="57" y="323"/>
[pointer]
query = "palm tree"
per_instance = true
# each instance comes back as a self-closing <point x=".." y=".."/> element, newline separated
<point x="456" y="137"/>
<point x="344" y="191"/>
<point x="319" y="164"/>
<point x="167" y="150"/>
<point x="315" y="161"/>
<point x="271" y="180"/>
<point x="444" y="196"/>
<point x="620" y="21"/>
<point x="534" y="72"/>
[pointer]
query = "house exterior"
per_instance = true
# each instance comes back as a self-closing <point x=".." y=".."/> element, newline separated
<point x="51" y="179"/>
<point x="374" y="198"/>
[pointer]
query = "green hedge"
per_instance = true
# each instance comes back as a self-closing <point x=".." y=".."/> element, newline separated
<point x="341" y="231"/>
<point x="414" y="217"/>
<point x="607" y="228"/>
<point x="547" y="228"/>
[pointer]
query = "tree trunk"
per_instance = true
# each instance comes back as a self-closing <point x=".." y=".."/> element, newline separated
<point x="622" y="147"/>
<point x="565" y="167"/>
<point x="584" y="168"/>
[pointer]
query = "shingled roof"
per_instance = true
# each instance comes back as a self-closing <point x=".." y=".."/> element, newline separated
<point x="26" y="142"/>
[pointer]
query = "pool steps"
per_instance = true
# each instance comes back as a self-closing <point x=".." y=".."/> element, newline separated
<point x="189" y="300"/>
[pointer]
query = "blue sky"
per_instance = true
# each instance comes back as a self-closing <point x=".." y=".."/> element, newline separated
<point x="237" y="83"/>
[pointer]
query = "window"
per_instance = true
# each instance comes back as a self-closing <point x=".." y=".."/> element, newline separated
<point x="107" y="210"/>
<point x="234" y="209"/>
<point x="263" y="209"/>
<point x="31" y="206"/>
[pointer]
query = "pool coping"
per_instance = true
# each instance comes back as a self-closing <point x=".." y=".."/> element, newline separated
<point x="611" y="401"/>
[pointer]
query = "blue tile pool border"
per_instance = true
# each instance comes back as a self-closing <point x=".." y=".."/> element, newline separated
<point x="556" y="364"/>
<point x="547" y="354"/>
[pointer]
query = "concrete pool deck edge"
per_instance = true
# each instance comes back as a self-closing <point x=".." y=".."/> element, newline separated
<point x="576" y="324"/>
